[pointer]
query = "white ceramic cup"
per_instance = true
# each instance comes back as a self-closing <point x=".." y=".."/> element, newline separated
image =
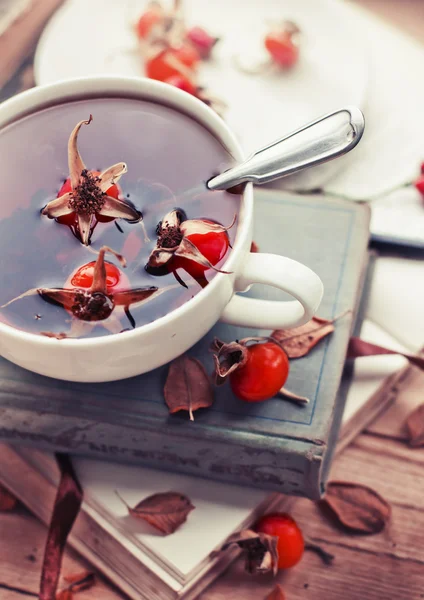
<point x="133" y="352"/>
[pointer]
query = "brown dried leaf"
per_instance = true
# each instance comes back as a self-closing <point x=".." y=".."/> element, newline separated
<point x="358" y="347"/>
<point x="64" y="595"/>
<point x="415" y="426"/>
<point x="260" y="551"/>
<point x="299" y="341"/>
<point x="187" y="386"/>
<point x="227" y="358"/>
<point x="7" y="501"/>
<point x="80" y="581"/>
<point x="165" y="511"/>
<point x="276" y="594"/>
<point x="357" y="507"/>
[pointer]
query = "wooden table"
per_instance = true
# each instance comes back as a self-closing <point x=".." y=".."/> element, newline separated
<point x="387" y="566"/>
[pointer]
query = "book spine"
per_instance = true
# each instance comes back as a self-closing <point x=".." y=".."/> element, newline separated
<point x="284" y="465"/>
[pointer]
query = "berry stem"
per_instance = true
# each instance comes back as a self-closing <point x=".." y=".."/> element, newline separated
<point x="99" y="275"/>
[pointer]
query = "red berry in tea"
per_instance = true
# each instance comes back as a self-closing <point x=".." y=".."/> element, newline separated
<point x="169" y="157"/>
<point x="88" y="201"/>
<point x="195" y="245"/>
<point x="213" y="246"/>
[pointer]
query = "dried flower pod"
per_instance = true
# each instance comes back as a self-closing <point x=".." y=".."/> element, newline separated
<point x="175" y="248"/>
<point x="96" y="302"/>
<point x="88" y="198"/>
<point x="259" y="549"/>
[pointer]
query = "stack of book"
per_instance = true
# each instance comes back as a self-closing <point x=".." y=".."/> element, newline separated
<point x="272" y="447"/>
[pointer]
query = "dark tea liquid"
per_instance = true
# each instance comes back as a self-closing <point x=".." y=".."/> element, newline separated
<point x="168" y="155"/>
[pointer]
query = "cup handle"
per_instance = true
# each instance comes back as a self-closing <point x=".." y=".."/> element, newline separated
<point x="280" y="272"/>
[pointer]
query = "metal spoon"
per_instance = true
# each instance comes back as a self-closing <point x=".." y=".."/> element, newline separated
<point x="324" y="139"/>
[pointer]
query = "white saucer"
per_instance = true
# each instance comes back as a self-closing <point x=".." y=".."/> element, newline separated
<point x="86" y="38"/>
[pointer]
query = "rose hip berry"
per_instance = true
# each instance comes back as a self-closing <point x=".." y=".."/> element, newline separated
<point x="213" y="246"/>
<point x="83" y="277"/>
<point x="201" y="40"/>
<point x="262" y="375"/>
<point x="282" y="49"/>
<point x="147" y="21"/>
<point x="182" y="83"/>
<point x="419" y="184"/>
<point x="290" y="544"/>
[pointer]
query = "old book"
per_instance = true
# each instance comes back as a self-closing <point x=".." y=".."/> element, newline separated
<point x="272" y="445"/>
<point x="145" y="565"/>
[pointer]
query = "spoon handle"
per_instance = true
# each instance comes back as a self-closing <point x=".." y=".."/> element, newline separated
<point x="330" y="136"/>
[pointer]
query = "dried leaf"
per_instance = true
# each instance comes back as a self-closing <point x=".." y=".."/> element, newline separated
<point x="227" y="358"/>
<point x="326" y="557"/>
<point x="187" y="386"/>
<point x="276" y="594"/>
<point x="292" y="397"/>
<point x="65" y="595"/>
<point x="357" y="507"/>
<point x="7" y="501"/>
<point x="65" y="510"/>
<point x="358" y="347"/>
<point x="260" y="551"/>
<point x="80" y="581"/>
<point x="165" y="511"/>
<point x="299" y="341"/>
<point x="415" y="426"/>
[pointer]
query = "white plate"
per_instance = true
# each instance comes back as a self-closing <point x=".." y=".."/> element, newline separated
<point x="96" y="37"/>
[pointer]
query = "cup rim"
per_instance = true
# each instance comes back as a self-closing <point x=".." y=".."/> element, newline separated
<point x="69" y="90"/>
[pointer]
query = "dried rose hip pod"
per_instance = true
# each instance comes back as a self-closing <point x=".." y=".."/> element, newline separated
<point x="257" y="368"/>
<point x="94" y="290"/>
<point x="202" y="41"/>
<point x="194" y="245"/>
<point x="89" y="197"/>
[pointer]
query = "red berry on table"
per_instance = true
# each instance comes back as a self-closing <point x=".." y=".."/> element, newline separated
<point x="187" y="55"/>
<point x="419" y="184"/>
<point x="290" y="543"/>
<point x="161" y="67"/>
<point x="201" y="40"/>
<point x="283" y="50"/>
<point x="263" y="374"/>
<point x="182" y="83"/>
<point x="147" y="20"/>
<point x="213" y="246"/>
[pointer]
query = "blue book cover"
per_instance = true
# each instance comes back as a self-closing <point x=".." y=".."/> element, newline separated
<point x="275" y="444"/>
